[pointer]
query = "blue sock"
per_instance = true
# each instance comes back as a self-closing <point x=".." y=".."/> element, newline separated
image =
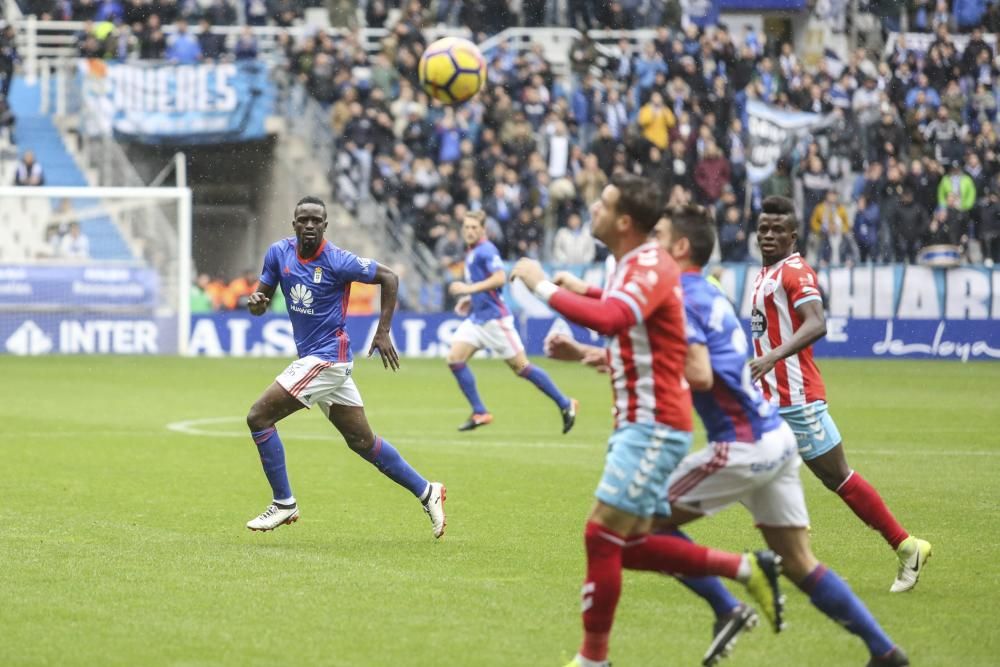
<point x="541" y="379"/>
<point x="467" y="381"/>
<point x="272" y="457"/>
<point x="833" y="597"/>
<point x="708" y="588"/>
<point x="385" y="457"/>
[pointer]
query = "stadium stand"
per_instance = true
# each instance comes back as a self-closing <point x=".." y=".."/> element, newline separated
<point x="923" y="109"/>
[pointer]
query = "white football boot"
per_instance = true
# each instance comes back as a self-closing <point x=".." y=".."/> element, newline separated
<point x="434" y="506"/>
<point x="275" y="515"/>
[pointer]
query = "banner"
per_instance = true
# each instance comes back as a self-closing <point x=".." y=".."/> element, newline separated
<point x="41" y="287"/>
<point x="429" y="335"/>
<point x="773" y="134"/>
<point x="63" y="333"/>
<point x="166" y="104"/>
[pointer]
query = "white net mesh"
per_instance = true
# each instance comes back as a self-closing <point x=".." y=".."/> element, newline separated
<point x="93" y="270"/>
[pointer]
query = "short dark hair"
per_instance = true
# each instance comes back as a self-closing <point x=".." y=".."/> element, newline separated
<point x="639" y="198"/>
<point x="692" y="222"/>
<point x="309" y="199"/>
<point x="776" y="205"/>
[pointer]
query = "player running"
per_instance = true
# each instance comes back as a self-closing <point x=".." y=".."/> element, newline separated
<point x="489" y="324"/>
<point x="751" y="456"/>
<point x="642" y="315"/>
<point x="787" y="319"/>
<point x="315" y="277"/>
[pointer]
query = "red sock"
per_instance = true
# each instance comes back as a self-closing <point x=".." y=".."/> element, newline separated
<point x="675" y="555"/>
<point x="862" y="497"/>
<point x="601" y="589"/>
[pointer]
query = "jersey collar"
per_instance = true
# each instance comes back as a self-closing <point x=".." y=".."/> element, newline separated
<point x="781" y="262"/>
<point x="316" y="254"/>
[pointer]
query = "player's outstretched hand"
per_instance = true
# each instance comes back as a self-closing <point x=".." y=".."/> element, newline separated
<point x="567" y="280"/>
<point x="257" y="303"/>
<point x="383" y="343"/>
<point x="563" y="348"/>
<point x="761" y="366"/>
<point x="464" y="306"/>
<point x="529" y="271"/>
<point x="596" y="358"/>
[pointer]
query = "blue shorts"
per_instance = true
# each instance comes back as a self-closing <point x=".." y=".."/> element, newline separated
<point x="813" y="427"/>
<point x="639" y="462"/>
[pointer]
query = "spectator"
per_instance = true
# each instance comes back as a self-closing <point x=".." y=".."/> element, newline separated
<point x="183" y="49"/>
<point x="656" y="121"/>
<point x="8" y="57"/>
<point x="200" y="301"/>
<point x="712" y="174"/>
<point x="220" y="12"/>
<point x="831" y="241"/>
<point x="959" y="183"/>
<point x="74" y="244"/>
<point x="7" y="120"/>
<point x="29" y="172"/>
<point x="212" y="45"/>
<point x="591" y="180"/>
<point x="942" y="229"/>
<point x="526" y="235"/>
<point x="945" y="135"/>
<point x="866" y="229"/>
<point x="246" y="45"/>
<point x="989" y="228"/>
<point x="908" y="224"/>
<point x="733" y="235"/>
<point x="450" y="253"/>
<point x="573" y="243"/>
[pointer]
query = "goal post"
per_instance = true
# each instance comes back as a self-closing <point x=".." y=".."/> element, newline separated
<point x="95" y="270"/>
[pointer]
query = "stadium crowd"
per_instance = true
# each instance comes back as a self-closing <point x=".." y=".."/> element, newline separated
<point x="910" y="157"/>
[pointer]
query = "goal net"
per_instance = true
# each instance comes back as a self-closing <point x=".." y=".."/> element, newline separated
<point x="94" y="270"/>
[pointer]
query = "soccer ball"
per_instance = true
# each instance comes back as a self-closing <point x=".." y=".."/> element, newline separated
<point x="452" y="70"/>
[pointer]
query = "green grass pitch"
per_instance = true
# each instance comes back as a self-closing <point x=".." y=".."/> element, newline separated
<point x="123" y="541"/>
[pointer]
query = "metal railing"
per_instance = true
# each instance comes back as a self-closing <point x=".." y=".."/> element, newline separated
<point x="46" y="40"/>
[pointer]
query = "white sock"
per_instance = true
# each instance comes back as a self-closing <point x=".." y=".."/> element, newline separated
<point x="590" y="663"/>
<point x="287" y="501"/>
<point x="743" y="573"/>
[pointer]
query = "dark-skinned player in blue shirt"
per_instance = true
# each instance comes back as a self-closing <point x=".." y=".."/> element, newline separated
<point x="315" y="277"/>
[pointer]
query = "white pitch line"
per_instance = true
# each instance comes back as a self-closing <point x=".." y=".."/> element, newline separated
<point x="193" y="427"/>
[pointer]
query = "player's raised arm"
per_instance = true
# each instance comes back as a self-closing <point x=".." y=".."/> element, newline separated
<point x="258" y="302"/>
<point x="606" y="317"/>
<point x="388" y="281"/>
<point x="812" y="329"/>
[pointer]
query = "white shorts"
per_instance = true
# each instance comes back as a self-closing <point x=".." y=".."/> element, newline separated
<point x="498" y="336"/>
<point x="317" y="382"/>
<point x="764" y="476"/>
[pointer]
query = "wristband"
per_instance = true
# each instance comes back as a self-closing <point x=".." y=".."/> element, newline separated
<point x="545" y="289"/>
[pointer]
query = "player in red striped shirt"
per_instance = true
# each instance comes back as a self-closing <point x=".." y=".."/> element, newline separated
<point x="787" y="318"/>
<point x="642" y="314"/>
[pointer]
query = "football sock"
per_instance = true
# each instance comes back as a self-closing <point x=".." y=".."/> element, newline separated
<point x="467" y="382"/>
<point x="833" y="597"/>
<point x="601" y="589"/>
<point x="709" y="589"/>
<point x="389" y="462"/>
<point x="674" y="555"/>
<point x="272" y="458"/>
<point x="541" y="379"/>
<point x="862" y="497"/>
